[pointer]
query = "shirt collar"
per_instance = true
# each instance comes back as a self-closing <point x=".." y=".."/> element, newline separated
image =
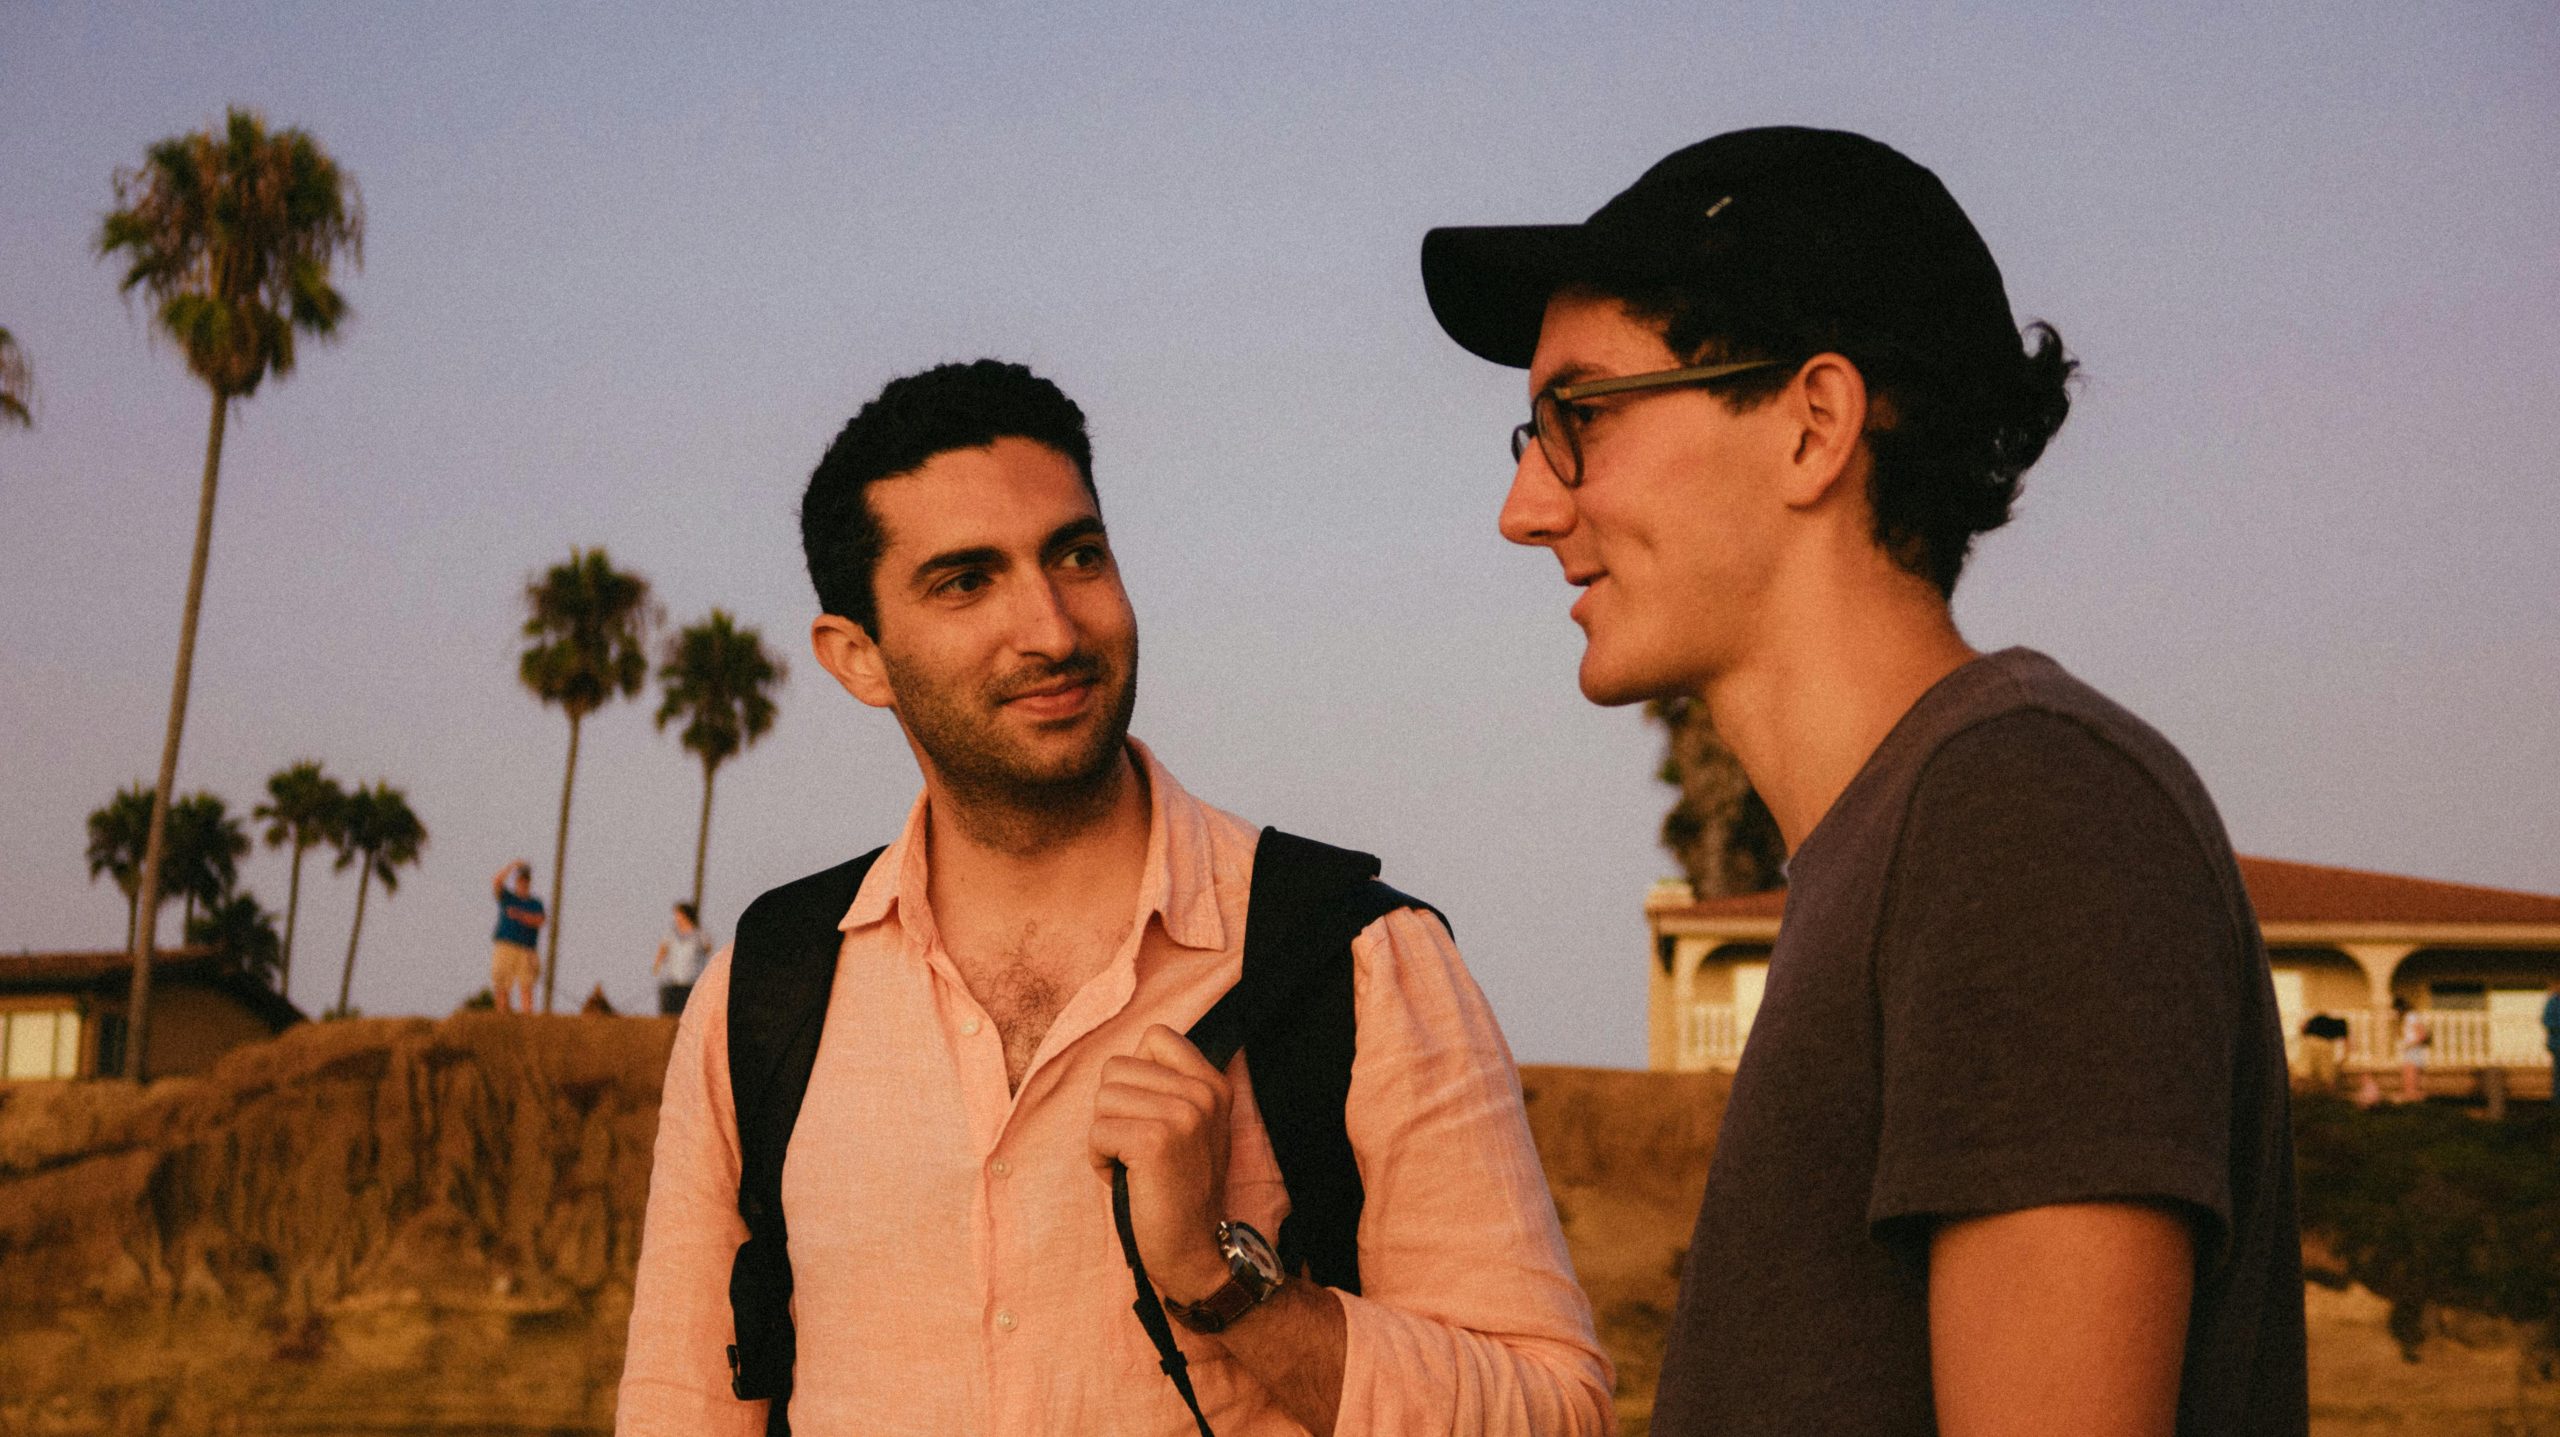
<point x="1178" y="884"/>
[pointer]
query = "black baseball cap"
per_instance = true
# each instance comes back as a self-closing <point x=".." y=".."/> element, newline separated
<point x="1841" y="234"/>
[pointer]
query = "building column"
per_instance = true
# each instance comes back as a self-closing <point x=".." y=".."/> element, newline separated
<point x="2379" y="962"/>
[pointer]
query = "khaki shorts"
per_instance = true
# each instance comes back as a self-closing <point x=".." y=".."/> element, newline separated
<point x="512" y="965"/>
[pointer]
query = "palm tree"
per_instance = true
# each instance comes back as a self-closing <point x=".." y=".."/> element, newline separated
<point x="205" y="845"/>
<point x="1721" y="832"/>
<point x="717" y="678"/>
<point x="301" y="810"/>
<point x="376" y="826"/>
<point x="590" y="625"/>
<point x="17" y="384"/>
<point x="117" y="832"/>
<point x="231" y="233"/>
<point x="241" y="931"/>
<point x="204" y="848"/>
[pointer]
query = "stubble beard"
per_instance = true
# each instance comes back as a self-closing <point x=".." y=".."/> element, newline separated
<point x="1000" y="794"/>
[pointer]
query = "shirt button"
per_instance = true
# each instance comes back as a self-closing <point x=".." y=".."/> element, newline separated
<point x="969" y="1026"/>
<point x="1004" y="1319"/>
<point x="1001" y="1168"/>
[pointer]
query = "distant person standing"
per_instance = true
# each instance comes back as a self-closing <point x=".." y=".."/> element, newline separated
<point x="513" y="966"/>
<point x="681" y="956"/>
<point x="2415" y="1038"/>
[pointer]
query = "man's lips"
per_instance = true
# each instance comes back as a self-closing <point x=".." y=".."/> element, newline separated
<point x="1587" y="582"/>
<point x="1058" y="698"/>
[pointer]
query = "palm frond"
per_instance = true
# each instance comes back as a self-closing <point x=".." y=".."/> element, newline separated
<point x="591" y="625"/>
<point x="717" y="678"/>
<point x="377" y="822"/>
<point x="17" y="383"/>
<point x="248" y="222"/>
<point x="303" y="805"/>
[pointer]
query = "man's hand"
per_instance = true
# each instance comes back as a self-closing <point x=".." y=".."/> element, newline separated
<point x="1163" y="1112"/>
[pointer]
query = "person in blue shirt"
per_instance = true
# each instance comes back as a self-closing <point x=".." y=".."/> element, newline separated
<point x="513" y="967"/>
<point x="2551" y="1027"/>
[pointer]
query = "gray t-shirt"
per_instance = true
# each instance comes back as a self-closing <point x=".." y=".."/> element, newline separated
<point x="2017" y="968"/>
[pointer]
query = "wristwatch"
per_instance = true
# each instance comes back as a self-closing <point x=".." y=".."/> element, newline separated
<point x="1253" y="1273"/>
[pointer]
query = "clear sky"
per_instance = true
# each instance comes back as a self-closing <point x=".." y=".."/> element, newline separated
<point x="628" y="267"/>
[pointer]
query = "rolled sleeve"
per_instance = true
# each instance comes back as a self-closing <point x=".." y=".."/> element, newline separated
<point x="1469" y="1318"/>
<point x="675" y="1376"/>
<point x="2061" y="989"/>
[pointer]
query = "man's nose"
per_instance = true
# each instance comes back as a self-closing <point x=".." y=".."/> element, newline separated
<point x="1042" y="624"/>
<point x="1539" y="509"/>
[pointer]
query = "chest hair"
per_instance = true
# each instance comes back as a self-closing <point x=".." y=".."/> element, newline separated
<point x="1024" y="983"/>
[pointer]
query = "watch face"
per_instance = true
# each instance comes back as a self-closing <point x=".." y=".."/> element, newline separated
<point x="1245" y="1248"/>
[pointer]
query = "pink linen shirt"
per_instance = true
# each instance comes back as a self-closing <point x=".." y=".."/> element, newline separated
<point x="954" y="1259"/>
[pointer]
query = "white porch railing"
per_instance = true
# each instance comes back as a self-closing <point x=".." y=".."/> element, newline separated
<point x="1710" y="1035"/>
<point x="2457" y="1039"/>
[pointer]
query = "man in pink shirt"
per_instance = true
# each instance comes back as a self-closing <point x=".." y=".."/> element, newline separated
<point x="1005" y="1021"/>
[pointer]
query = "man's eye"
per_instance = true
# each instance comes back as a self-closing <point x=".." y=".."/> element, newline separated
<point x="1579" y="415"/>
<point x="1085" y="556"/>
<point x="968" y="581"/>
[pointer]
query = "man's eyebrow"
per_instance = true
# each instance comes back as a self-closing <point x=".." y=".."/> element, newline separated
<point x="1574" y="373"/>
<point x="982" y="556"/>
<point x="1066" y="536"/>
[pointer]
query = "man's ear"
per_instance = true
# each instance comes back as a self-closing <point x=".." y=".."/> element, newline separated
<point x="853" y="656"/>
<point x="1827" y="405"/>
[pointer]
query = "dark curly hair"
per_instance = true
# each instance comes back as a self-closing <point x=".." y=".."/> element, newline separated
<point x="947" y="407"/>
<point x="1950" y="429"/>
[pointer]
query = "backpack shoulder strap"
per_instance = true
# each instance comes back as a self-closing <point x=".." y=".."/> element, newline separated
<point x="1294" y="1009"/>
<point x="781" y="969"/>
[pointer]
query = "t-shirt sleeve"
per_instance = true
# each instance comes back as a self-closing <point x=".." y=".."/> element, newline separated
<point x="2060" y="986"/>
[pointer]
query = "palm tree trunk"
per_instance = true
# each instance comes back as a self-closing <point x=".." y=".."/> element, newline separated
<point x="154" y="847"/>
<point x="292" y="905"/>
<point x="560" y="867"/>
<point x="347" y="977"/>
<point x="702" y="840"/>
<point x="132" y="916"/>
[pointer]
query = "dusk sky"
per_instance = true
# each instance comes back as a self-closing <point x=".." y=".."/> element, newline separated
<point x="628" y="267"/>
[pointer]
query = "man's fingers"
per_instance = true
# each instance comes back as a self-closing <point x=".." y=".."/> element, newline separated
<point x="1139" y="1075"/>
<point x="1139" y="1141"/>
<point x="1161" y="1044"/>
<point x="1181" y="1111"/>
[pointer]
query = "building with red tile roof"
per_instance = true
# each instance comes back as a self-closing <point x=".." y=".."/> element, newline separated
<point x="2478" y="962"/>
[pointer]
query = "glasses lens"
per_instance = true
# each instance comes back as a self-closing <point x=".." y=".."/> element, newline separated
<point x="1556" y="439"/>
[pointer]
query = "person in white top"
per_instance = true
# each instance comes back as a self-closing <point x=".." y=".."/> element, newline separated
<point x="681" y="956"/>
<point x="2415" y="1039"/>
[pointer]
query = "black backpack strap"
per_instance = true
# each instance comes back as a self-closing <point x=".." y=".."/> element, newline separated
<point x="1293" y="1009"/>
<point x="781" y="968"/>
<point x="1293" y="1005"/>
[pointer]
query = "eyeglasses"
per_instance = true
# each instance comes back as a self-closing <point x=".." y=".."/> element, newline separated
<point x="1556" y="416"/>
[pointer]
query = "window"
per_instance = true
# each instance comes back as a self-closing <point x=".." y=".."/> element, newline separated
<point x="110" y="1045"/>
<point x="40" y="1044"/>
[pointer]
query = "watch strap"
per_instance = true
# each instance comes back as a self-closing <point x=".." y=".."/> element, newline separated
<point x="1247" y="1282"/>
<point x="1219" y="1309"/>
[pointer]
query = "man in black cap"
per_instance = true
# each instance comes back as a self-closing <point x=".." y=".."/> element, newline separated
<point x="2008" y="1150"/>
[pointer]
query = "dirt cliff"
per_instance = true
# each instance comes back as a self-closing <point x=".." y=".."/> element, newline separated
<point x="415" y="1227"/>
<point x="369" y="1226"/>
